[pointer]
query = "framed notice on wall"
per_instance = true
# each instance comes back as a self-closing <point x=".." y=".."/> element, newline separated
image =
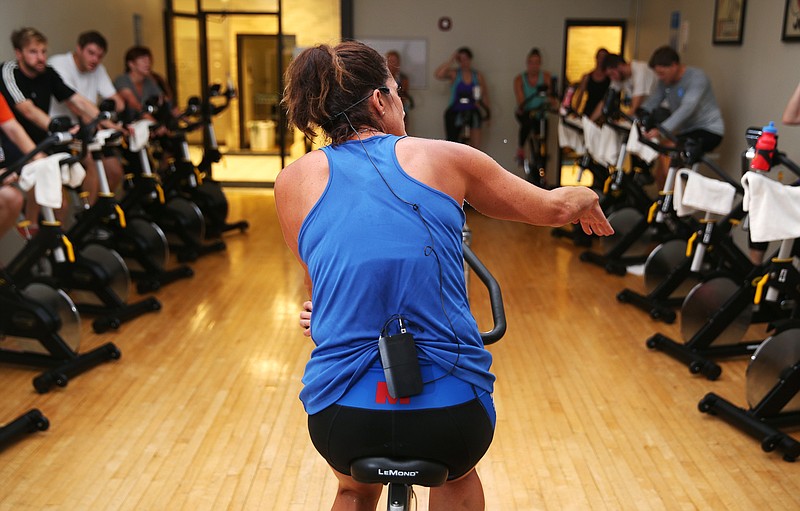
<point x="791" y="21"/>
<point x="413" y="57"/>
<point x="728" y="21"/>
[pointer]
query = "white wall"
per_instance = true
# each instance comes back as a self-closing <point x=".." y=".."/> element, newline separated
<point x="500" y="33"/>
<point x="62" y="20"/>
<point x="752" y="82"/>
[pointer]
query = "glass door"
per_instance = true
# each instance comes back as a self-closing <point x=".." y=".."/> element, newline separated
<point x="260" y="91"/>
<point x="582" y="39"/>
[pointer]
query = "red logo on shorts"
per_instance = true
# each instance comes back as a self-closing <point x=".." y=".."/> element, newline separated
<point x="382" y="396"/>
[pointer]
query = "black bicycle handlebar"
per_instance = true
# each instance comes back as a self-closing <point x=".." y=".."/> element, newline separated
<point x="722" y="175"/>
<point x="782" y="159"/>
<point x="495" y="297"/>
<point x="52" y="140"/>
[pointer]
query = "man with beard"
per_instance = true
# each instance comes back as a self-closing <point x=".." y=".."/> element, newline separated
<point x="28" y="84"/>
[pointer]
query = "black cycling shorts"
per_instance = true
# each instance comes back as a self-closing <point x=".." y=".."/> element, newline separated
<point x="457" y="436"/>
<point x="708" y="141"/>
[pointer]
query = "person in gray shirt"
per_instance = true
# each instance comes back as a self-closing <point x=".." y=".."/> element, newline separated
<point x="137" y="84"/>
<point x="686" y="92"/>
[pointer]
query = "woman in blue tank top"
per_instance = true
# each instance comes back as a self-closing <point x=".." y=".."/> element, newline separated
<point x="467" y="92"/>
<point x="375" y="219"/>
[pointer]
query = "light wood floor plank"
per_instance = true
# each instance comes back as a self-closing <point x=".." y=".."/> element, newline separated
<point x="201" y="412"/>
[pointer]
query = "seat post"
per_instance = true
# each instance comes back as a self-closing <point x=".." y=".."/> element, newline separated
<point x="398" y="497"/>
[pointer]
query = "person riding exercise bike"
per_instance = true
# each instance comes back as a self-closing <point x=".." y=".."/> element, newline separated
<point x="469" y="99"/>
<point x="533" y="92"/>
<point x="375" y="219"/>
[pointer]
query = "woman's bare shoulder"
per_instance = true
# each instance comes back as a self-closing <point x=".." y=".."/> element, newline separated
<point x="308" y="166"/>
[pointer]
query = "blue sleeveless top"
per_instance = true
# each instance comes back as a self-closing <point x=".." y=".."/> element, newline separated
<point x="462" y="94"/>
<point x="371" y="257"/>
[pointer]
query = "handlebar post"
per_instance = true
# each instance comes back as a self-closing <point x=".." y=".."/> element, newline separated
<point x="702" y="245"/>
<point x="784" y="252"/>
<point x="666" y="192"/>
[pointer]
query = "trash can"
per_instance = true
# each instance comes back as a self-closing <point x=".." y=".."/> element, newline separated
<point x="262" y="135"/>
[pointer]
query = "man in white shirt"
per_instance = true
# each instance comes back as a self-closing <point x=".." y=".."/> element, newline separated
<point x="82" y="69"/>
<point x="635" y="80"/>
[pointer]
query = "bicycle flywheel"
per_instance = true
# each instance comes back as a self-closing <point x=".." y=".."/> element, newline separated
<point x="188" y="218"/>
<point x="660" y="263"/>
<point x="624" y="221"/>
<point x="113" y="265"/>
<point x="58" y="303"/>
<point x="704" y="300"/>
<point x="152" y="240"/>
<point x="769" y="362"/>
<point x="10" y="245"/>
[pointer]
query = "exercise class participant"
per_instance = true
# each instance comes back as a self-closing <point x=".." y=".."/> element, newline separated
<point x="137" y="84"/>
<point x="527" y="88"/>
<point x="11" y="197"/>
<point x="467" y="90"/>
<point x="593" y="86"/>
<point x="375" y="219"/>
<point x="634" y="79"/>
<point x="694" y="112"/>
<point x="83" y="70"/>
<point x="28" y="84"/>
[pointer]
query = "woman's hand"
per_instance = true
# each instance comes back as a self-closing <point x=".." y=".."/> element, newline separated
<point x="305" y="318"/>
<point x="594" y="221"/>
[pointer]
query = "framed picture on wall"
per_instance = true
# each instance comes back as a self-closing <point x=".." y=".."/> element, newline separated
<point x="728" y="21"/>
<point x="791" y="21"/>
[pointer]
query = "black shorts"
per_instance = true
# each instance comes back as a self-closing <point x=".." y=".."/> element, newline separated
<point x="708" y="141"/>
<point x="457" y="436"/>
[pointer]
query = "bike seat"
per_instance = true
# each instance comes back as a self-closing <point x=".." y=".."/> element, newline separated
<point x="396" y="470"/>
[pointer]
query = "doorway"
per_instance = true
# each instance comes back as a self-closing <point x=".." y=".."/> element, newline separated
<point x="244" y="43"/>
<point x="582" y="39"/>
<point x="260" y="90"/>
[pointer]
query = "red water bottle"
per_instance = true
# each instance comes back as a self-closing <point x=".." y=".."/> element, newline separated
<point x="765" y="148"/>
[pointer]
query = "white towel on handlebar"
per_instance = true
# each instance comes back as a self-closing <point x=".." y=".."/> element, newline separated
<point x="602" y="143"/>
<point x="46" y="176"/>
<point x="610" y="145"/>
<point x="695" y="192"/>
<point x="140" y="135"/>
<point x="634" y="146"/>
<point x="570" y="137"/>
<point x="774" y="208"/>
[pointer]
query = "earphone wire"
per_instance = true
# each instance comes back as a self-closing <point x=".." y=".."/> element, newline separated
<point x="429" y="249"/>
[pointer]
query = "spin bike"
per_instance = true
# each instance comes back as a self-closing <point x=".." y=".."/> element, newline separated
<point x="570" y="120"/>
<point x="636" y="231"/>
<point x="675" y="267"/>
<point x="146" y="198"/>
<point x="717" y="312"/>
<point x="465" y="119"/>
<point x="773" y="395"/>
<point x="95" y="276"/>
<point x="141" y="243"/>
<point x="401" y="474"/>
<point x="534" y="161"/>
<point x="772" y="378"/>
<point x="39" y="324"/>
<point x="183" y="179"/>
<point x="208" y="193"/>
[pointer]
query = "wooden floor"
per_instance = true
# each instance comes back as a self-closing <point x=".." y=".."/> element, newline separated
<point x="201" y="412"/>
